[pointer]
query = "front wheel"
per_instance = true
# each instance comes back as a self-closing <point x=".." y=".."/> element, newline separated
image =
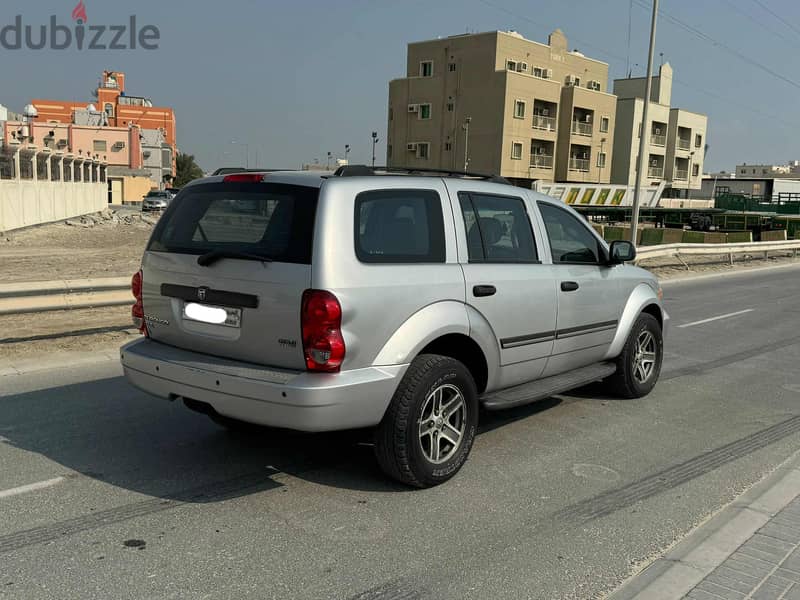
<point x="428" y="429"/>
<point x="639" y="364"/>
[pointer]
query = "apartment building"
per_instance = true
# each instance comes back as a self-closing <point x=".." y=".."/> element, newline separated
<point x="792" y="169"/>
<point x="498" y="103"/>
<point x="675" y="138"/>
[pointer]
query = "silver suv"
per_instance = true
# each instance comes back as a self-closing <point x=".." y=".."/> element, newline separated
<point x="402" y="302"/>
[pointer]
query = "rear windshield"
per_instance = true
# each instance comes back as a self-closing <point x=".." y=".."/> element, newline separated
<point x="272" y="220"/>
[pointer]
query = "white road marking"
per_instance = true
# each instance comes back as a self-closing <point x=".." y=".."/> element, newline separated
<point x="734" y="314"/>
<point x="24" y="489"/>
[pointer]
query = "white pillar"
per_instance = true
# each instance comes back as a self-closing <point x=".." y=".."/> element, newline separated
<point x="49" y="163"/>
<point x="17" y="169"/>
<point x="35" y="164"/>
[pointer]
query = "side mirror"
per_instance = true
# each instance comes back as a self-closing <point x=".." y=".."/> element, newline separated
<point x="621" y="251"/>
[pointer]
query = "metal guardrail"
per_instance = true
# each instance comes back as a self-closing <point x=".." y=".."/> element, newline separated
<point x="44" y="296"/>
<point x="645" y="252"/>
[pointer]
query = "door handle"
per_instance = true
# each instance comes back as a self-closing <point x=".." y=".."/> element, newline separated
<point x="569" y="286"/>
<point x="481" y="291"/>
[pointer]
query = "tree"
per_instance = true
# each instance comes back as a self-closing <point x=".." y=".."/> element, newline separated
<point x="187" y="169"/>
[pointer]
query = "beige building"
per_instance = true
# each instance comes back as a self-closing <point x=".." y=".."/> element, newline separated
<point x="675" y="138"/>
<point x="789" y="170"/>
<point x="498" y="103"/>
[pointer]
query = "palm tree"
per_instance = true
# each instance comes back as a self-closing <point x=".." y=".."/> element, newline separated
<point x="187" y="169"/>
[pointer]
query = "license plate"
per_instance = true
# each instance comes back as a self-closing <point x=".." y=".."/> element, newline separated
<point x="215" y="315"/>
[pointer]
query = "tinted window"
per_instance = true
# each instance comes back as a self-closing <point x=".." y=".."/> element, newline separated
<point x="498" y="229"/>
<point x="271" y="220"/>
<point x="570" y="238"/>
<point x="399" y="226"/>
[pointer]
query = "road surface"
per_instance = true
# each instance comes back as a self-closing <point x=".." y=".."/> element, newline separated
<point x="108" y="493"/>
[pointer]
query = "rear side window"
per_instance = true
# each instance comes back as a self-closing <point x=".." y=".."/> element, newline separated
<point x="272" y="220"/>
<point x="498" y="229"/>
<point x="399" y="226"/>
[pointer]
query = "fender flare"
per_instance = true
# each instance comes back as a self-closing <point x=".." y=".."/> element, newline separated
<point x="434" y="320"/>
<point x="642" y="296"/>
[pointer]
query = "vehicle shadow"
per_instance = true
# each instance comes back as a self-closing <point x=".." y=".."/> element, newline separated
<point x="109" y="431"/>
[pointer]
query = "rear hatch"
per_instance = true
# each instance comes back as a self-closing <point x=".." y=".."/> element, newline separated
<point x="226" y="267"/>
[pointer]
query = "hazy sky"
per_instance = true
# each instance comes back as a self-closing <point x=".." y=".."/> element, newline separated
<point x="295" y="80"/>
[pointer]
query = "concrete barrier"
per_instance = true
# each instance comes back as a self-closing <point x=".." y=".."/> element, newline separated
<point x="24" y="203"/>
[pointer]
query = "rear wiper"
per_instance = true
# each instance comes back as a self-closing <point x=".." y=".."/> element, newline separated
<point x="209" y="259"/>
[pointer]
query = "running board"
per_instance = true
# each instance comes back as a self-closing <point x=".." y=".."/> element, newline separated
<point x="549" y="386"/>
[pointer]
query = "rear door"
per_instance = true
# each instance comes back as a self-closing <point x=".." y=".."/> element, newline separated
<point x="244" y="302"/>
<point x="505" y="280"/>
<point x="588" y="293"/>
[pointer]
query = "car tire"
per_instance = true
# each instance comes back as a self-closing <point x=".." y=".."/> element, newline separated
<point x="639" y="364"/>
<point x="438" y="393"/>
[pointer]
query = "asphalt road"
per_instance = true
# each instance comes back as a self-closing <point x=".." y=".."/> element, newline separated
<point x="108" y="493"/>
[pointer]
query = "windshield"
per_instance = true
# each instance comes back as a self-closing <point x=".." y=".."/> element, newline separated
<point x="274" y="221"/>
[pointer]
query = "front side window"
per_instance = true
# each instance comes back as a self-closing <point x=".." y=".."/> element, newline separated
<point x="426" y="68"/>
<point x="399" y="226"/>
<point x="570" y="240"/>
<point x="498" y="229"/>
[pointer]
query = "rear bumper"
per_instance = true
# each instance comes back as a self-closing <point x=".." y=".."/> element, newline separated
<point x="277" y="398"/>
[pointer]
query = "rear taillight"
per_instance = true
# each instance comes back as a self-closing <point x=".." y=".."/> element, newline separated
<point x="137" y="310"/>
<point x="244" y="178"/>
<point x="323" y="343"/>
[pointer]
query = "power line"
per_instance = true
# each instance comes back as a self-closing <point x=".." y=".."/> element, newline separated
<point x="761" y="24"/>
<point x="777" y="16"/>
<point x="707" y="38"/>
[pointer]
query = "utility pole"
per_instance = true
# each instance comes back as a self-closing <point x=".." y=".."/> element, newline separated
<point x="328" y="167"/>
<point x="467" y="121"/>
<point x="642" y="144"/>
<point x="600" y="174"/>
<point x="375" y="140"/>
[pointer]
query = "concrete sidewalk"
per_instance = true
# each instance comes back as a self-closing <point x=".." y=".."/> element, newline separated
<point x="750" y="550"/>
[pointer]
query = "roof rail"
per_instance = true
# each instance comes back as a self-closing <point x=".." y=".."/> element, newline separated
<point x="365" y="170"/>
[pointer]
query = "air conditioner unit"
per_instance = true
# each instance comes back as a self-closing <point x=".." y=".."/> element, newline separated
<point x="588" y="118"/>
<point x="545" y="112"/>
<point x="570" y="80"/>
<point x="548" y="73"/>
<point x="653" y="163"/>
<point x="523" y="66"/>
<point x="62" y="143"/>
<point x="119" y="145"/>
<point x="511" y="65"/>
<point x="658" y="131"/>
<point x="413" y="108"/>
<point x="412" y="147"/>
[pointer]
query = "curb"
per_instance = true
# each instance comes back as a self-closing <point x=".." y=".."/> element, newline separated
<point x="729" y="273"/>
<point x="711" y="543"/>
<point x="65" y="360"/>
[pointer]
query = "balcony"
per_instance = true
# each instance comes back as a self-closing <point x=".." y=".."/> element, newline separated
<point x="546" y="123"/>
<point x="541" y="161"/>
<point x="582" y="128"/>
<point x="684" y="144"/>
<point x="682" y="174"/>
<point x="658" y="140"/>
<point x="579" y="164"/>
<point x="655" y="172"/>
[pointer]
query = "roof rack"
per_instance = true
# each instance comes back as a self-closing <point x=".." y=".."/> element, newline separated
<point x="366" y="171"/>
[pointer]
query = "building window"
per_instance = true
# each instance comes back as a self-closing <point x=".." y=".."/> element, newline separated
<point x="109" y="108"/>
<point x="519" y="109"/>
<point x="640" y="130"/>
<point x="604" y="125"/>
<point x="450" y="107"/>
<point x="516" y="150"/>
<point x="451" y="67"/>
<point x="100" y="146"/>
<point x="424" y="111"/>
<point x="695" y="170"/>
<point x="511" y="65"/>
<point x="577" y="82"/>
<point x="601" y="160"/>
<point x="448" y="146"/>
<point x="537" y="71"/>
<point x="426" y="68"/>
<point x="423" y="150"/>
<point x="698" y="140"/>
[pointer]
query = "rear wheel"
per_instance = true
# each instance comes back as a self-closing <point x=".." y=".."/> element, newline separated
<point x="428" y="429"/>
<point x="639" y="364"/>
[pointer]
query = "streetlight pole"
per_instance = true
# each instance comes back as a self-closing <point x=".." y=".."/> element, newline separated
<point x="640" y="160"/>
<point x="600" y="174"/>
<point x="467" y="121"/>
<point x="375" y="140"/>
<point x="346" y="152"/>
<point x="328" y="166"/>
